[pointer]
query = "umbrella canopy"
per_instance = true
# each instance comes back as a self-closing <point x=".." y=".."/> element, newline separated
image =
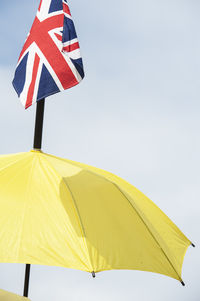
<point x="5" y="296"/>
<point x="58" y="212"/>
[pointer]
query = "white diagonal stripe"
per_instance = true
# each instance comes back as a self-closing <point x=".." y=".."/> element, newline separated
<point x="29" y="72"/>
<point x="70" y="42"/>
<point x="44" y="9"/>
<point x="75" y="54"/>
<point x="68" y="16"/>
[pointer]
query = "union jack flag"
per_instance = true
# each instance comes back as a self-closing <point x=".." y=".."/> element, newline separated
<point x="50" y="60"/>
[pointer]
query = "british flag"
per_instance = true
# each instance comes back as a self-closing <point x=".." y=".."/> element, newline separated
<point x="50" y="60"/>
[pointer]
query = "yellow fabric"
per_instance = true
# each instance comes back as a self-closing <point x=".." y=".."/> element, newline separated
<point x="63" y="213"/>
<point x="5" y="296"/>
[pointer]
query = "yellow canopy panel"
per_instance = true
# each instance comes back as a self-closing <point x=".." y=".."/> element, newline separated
<point x="58" y="212"/>
<point x="5" y="296"/>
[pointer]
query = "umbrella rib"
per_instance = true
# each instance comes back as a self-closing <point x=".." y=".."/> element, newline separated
<point x="76" y="209"/>
<point x="109" y="181"/>
<point x="79" y="217"/>
<point x="171" y="264"/>
<point x="65" y="183"/>
<point x="13" y="163"/>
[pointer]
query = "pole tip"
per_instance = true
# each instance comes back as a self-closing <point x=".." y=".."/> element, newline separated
<point x="93" y="274"/>
<point x="193" y="245"/>
<point x="183" y="284"/>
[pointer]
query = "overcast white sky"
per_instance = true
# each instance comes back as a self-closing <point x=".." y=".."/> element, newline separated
<point x="136" y="114"/>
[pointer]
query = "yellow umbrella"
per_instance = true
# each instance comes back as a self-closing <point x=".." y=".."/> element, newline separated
<point x="5" y="296"/>
<point x="58" y="212"/>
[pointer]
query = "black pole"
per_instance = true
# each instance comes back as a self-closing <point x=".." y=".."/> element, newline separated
<point x="39" y="124"/>
<point x="26" y="281"/>
<point x="36" y="145"/>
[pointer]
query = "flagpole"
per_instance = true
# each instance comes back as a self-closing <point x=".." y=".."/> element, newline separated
<point x="39" y="118"/>
<point x="39" y="124"/>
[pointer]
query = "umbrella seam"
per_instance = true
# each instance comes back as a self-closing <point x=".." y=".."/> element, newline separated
<point x="13" y="163"/>
<point x="148" y="230"/>
<point x="109" y="181"/>
<point x="77" y="211"/>
<point x="53" y="220"/>
<point x="80" y="220"/>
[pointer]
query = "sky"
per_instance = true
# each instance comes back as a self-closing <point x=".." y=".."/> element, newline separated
<point x="136" y="114"/>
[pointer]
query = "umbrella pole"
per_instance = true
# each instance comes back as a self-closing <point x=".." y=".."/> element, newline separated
<point x="36" y="145"/>
<point x="26" y="281"/>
